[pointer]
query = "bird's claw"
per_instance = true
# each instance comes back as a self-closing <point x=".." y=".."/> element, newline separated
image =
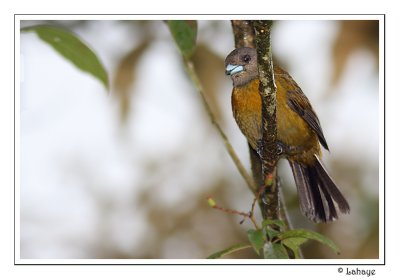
<point x="280" y="148"/>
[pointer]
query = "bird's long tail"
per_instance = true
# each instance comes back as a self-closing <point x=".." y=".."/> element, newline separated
<point x="320" y="199"/>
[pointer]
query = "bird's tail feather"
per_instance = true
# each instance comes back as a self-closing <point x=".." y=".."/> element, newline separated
<point x="319" y="197"/>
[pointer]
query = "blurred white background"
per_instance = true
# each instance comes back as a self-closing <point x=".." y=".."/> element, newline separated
<point x="125" y="174"/>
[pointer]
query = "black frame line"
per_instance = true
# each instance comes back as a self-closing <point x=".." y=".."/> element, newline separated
<point x="224" y="264"/>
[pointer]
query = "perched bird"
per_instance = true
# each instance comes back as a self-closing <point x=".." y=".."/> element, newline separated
<point x="299" y="133"/>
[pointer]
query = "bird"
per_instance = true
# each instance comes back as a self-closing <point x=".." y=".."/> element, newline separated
<point x="299" y="133"/>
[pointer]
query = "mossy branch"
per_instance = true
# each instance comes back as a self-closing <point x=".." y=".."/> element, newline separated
<point x="268" y="147"/>
<point x="248" y="34"/>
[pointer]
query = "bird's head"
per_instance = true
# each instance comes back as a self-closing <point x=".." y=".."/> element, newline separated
<point x="241" y="65"/>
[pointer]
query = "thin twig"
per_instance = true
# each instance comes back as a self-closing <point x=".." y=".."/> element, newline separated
<point x="195" y="79"/>
<point x="235" y="212"/>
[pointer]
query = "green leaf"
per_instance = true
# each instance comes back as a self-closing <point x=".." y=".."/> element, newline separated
<point x="270" y="228"/>
<point x="294" y="245"/>
<point x="229" y="250"/>
<point x="72" y="48"/>
<point x="275" y="251"/>
<point x="278" y="223"/>
<point x="184" y="33"/>
<point x="270" y="232"/>
<point x="256" y="238"/>
<point x="302" y="233"/>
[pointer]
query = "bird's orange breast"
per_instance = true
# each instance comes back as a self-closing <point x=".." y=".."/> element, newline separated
<point x="292" y="129"/>
<point x="246" y="106"/>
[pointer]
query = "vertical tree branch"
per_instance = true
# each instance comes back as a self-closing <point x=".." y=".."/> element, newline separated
<point x="267" y="90"/>
<point x="244" y="35"/>
<point x="248" y="34"/>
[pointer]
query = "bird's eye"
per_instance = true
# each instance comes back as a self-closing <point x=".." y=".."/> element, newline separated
<point x="246" y="58"/>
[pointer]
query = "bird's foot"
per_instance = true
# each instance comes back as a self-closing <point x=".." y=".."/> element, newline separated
<point x="281" y="148"/>
<point x="288" y="150"/>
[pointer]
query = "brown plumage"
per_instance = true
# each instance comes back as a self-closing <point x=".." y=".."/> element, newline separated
<point x="299" y="133"/>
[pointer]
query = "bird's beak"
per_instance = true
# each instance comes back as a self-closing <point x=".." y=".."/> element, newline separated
<point x="233" y="69"/>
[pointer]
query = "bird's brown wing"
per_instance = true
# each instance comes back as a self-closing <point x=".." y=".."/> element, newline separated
<point x="299" y="103"/>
